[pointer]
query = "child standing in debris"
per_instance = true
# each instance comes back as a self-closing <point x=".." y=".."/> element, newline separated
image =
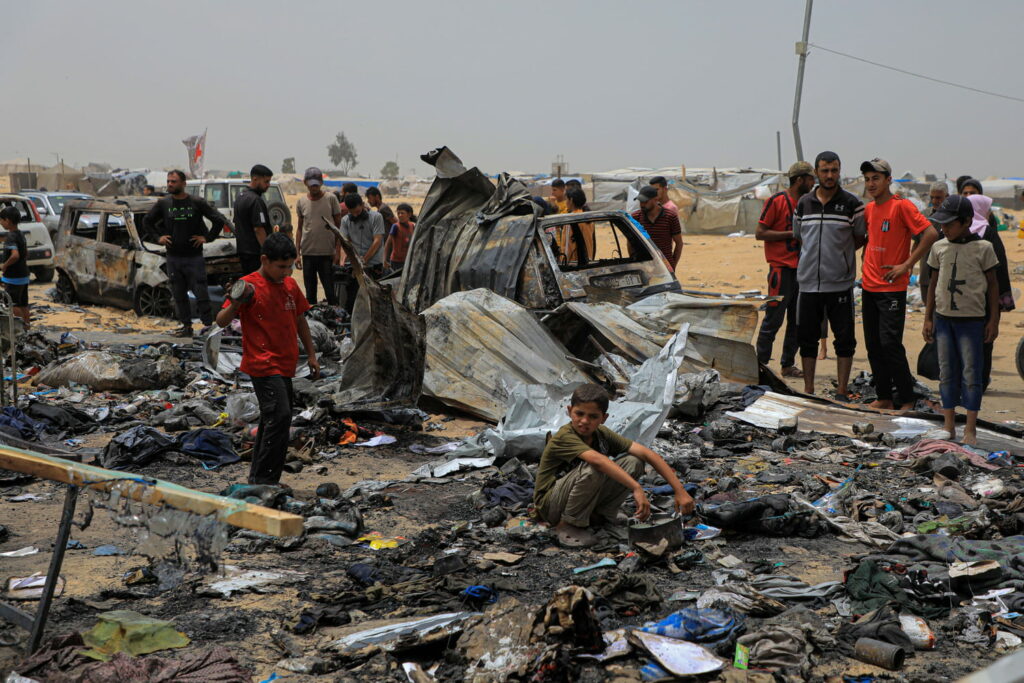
<point x="271" y="309"/>
<point x="959" y="296"/>
<point x="399" y="235"/>
<point x="587" y="470"/>
<point x="15" y="264"/>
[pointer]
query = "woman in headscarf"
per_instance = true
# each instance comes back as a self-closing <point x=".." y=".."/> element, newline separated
<point x="984" y="226"/>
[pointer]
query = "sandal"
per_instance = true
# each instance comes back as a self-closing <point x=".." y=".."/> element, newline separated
<point x="792" y="371"/>
<point x="575" y="537"/>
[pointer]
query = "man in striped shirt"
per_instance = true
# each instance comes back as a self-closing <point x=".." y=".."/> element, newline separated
<point x="662" y="225"/>
<point x="829" y="224"/>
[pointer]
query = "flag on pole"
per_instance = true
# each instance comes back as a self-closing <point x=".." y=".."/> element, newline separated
<point x="196" y="146"/>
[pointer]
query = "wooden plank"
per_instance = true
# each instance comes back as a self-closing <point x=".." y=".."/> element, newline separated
<point x="153" y="491"/>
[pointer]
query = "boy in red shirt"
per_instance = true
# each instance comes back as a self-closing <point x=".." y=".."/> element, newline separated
<point x="271" y="313"/>
<point x="892" y="222"/>
<point x="775" y="229"/>
<point x="396" y="248"/>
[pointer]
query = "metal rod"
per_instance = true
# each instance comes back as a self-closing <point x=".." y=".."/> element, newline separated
<point x="778" y="148"/>
<point x="16" y="616"/>
<point x="801" y="49"/>
<point x="53" y="575"/>
<point x="14" y="359"/>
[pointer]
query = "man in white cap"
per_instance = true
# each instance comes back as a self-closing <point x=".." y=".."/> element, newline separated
<point x="318" y="247"/>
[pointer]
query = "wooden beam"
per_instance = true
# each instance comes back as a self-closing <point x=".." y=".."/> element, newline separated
<point x="152" y="491"/>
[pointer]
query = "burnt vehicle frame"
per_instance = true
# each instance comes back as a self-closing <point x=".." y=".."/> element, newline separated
<point x="474" y="232"/>
<point x="108" y="262"/>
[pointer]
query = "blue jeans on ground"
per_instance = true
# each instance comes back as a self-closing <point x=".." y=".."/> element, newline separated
<point x="961" y="361"/>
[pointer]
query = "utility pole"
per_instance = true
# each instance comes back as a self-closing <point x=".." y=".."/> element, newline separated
<point x="778" y="148"/>
<point x="801" y="49"/>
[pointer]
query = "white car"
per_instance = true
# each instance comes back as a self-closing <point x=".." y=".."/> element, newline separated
<point x="222" y="193"/>
<point x="50" y="204"/>
<point x="37" y="237"/>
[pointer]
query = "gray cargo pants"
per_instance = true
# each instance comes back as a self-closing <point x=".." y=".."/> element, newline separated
<point x="584" y="493"/>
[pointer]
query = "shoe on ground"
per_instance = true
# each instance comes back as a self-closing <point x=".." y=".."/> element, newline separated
<point x="182" y="332"/>
<point x="574" y="537"/>
<point x="792" y="371"/>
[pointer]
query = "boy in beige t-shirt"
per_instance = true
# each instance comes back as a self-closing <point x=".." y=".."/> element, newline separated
<point x="962" y="311"/>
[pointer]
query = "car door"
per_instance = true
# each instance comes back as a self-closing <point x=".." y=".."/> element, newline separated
<point x="78" y="257"/>
<point x="216" y="194"/>
<point x="115" y="261"/>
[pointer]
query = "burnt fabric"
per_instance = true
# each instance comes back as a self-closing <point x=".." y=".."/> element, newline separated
<point x="61" y="418"/>
<point x="870" y="588"/>
<point x="774" y="515"/>
<point x="26" y="427"/>
<point x="883" y="624"/>
<point x="627" y="592"/>
<point x="510" y="494"/>
<point x="212" y="446"/>
<point x="136" y="447"/>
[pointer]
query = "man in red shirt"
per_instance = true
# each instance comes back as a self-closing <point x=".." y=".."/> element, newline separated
<point x="775" y="229"/>
<point x="892" y="222"/>
<point x="271" y="311"/>
<point x="662" y="226"/>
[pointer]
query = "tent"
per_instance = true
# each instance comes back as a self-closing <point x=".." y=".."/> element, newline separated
<point x="711" y="201"/>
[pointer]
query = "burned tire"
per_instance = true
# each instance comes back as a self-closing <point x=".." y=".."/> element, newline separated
<point x="43" y="274"/>
<point x="154" y="301"/>
<point x="64" y="292"/>
<point x="279" y="214"/>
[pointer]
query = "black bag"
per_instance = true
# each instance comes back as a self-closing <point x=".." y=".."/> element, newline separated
<point x="928" y="362"/>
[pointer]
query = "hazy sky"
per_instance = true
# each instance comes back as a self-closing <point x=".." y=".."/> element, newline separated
<point x="509" y="85"/>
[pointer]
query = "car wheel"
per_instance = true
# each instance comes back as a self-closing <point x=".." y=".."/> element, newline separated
<point x="279" y="214"/>
<point x="1020" y="357"/>
<point x="43" y="274"/>
<point x="153" y="301"/>
<point x="65" y="290"/>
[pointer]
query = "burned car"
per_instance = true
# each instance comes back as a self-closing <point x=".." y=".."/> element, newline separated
<point x="103" y="259"/>
<point x="472" y="233"/>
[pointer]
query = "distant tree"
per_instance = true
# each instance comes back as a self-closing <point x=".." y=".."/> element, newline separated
<point x="288" y="165"/>
<point x="390" y="171"/>
<point x="342" y="153"/>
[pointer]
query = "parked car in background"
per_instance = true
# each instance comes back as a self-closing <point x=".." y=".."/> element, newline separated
<point x="37" y="237"/>
<point x="50" y="204"/>
<point x="222" y="194"/>
<point x="102" y="258"/>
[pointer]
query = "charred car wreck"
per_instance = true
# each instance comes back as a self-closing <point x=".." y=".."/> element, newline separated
<point x="102" y="257"/>
<point x="509" y="298"/>
<point x="475" y="234"/>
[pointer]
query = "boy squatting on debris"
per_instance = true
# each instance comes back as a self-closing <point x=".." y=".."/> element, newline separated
<point x="962" y="288"/>
<point x="271" y="311"/>
<point x="587" y="470"/>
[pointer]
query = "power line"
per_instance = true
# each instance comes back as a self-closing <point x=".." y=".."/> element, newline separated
<point x="917" y="75"/>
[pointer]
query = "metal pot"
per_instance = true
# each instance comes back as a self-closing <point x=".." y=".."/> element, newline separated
<point x="654" y="530"/>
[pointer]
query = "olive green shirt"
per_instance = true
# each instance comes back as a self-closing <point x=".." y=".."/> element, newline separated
<point x="563" y="449"/>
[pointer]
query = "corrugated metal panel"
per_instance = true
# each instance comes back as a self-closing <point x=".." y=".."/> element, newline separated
<point x="480" y="346"/>
<point x="640" y="330"/>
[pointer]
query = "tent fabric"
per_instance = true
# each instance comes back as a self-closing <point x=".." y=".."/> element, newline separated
<point x="470" y="234"/>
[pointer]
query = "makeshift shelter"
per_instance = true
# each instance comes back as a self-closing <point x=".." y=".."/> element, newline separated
<point x="711" y="201"/>
<point x="59" y="177"/>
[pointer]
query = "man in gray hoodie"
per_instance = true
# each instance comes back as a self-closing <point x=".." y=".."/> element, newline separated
<point x="829" y="223"/>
